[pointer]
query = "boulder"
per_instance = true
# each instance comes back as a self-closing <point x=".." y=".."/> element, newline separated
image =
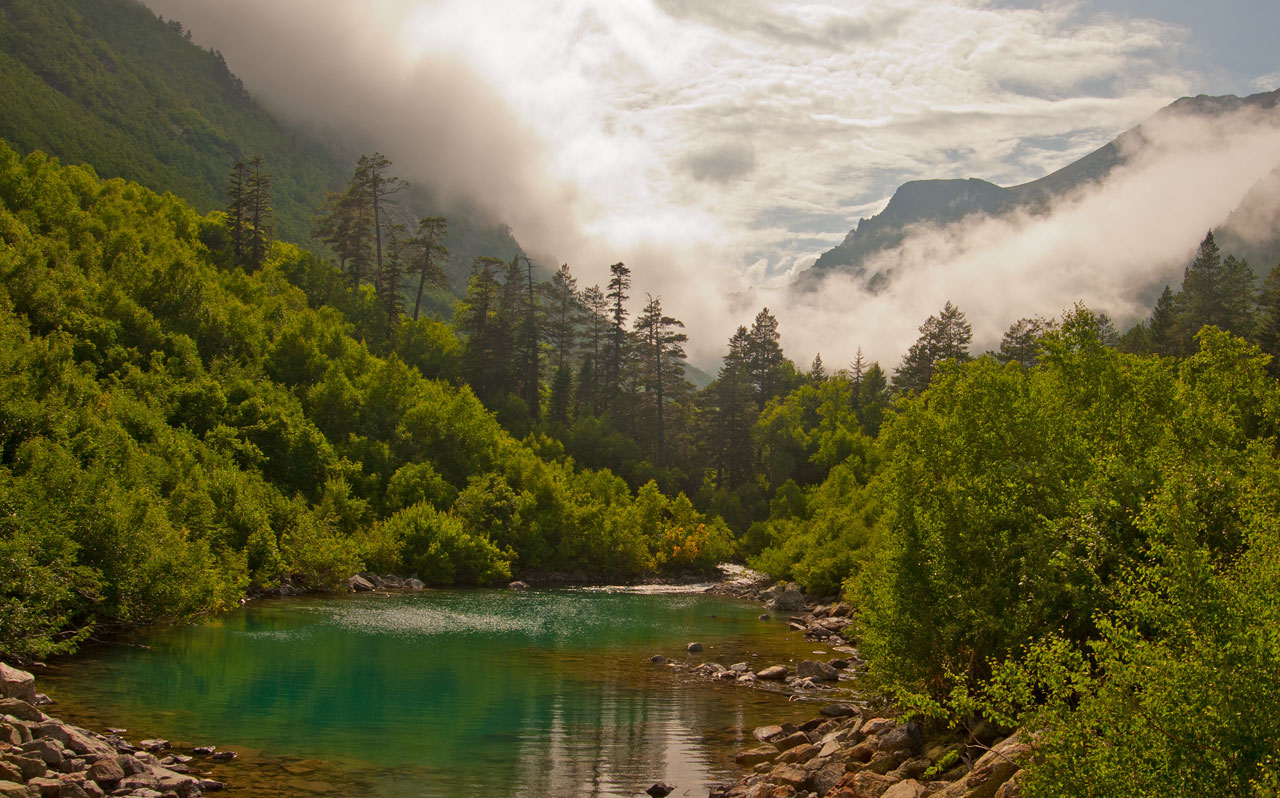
<point x="766" y="733"/>
<point x="45" y="749"/>
<point x="9" y="772"/>
<point x="18" y="684"/>
<point x="906" y="789"/>
<point x="45" y="788"/>
<point x="863" y="784"/>
<point x="789" y="774"/>
<point x="839" y="710"/>
<point x="774" y="673"/>
<point x="990" y="773"/>
<point x="657" y="659"/>
<point x="10" y="789"/>
<point x="155" y="746"/>
<point x="661" y="789"/>
<point x="414" y="584"/>
<point x="693" y="648"/>
<point x="105" y="771"/>
<point x="22" y="710"/>
<point x="906" y="737"/>
<point x="359" y="584"/>
<point x="789" y="600"/>
<point x="791" y="741"/>
<point x="812" y="669"/>
<point x="877" y="726"/>
<point x="763" y="753"/>
<point x="29" y="766"/>
<point x="518" y="585"/>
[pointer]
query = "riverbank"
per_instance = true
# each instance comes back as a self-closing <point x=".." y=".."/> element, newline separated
<point x="850" y="750"/>
<point x="43" y="757"/>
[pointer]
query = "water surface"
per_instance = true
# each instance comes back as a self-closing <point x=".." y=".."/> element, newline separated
<point x="447" y="693"/>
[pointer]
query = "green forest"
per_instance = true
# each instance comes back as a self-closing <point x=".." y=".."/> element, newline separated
<point x="295" y="367"/>
<point x="1074" y="531"/>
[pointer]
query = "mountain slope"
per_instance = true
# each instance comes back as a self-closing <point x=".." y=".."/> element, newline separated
<point x="942" y="202"/>
<point x="107" y="83"/>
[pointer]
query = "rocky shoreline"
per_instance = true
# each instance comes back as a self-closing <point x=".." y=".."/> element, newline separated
<point x="849" y="750"/>
<point x="43" y="757"/>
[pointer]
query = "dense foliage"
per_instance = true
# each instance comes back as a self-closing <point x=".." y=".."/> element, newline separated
<point x="173" y="433"/>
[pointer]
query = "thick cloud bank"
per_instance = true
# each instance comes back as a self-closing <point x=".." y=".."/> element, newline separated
<point x="719" y="151"/>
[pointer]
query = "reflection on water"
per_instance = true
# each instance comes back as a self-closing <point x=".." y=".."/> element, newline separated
<point x="494" y="693"/>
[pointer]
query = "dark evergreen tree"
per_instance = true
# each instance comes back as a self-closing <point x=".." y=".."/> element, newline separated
<point x="476" y="319"/>
<point x="429" y="254"/>
<point x="1269" y="320"/>
<point x="376" y="188"/>
<point x="730" y="413"/>
<point x="595" y="309"/>
<point x="1161" y="329"/>
<point x="1021" y="342"/>
<point x="616" y="347"/>
<point x="664" y="370"/>
<point x="388" y="284"/>
<point x="257" y="201"/>
<point x="766" y="365"/>
<point x="528" y="343"/>
<point x="237" y="213"/>
<point x="942" y="337"/>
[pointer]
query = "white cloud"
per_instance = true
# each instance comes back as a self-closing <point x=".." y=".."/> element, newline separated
<point x="694" y="138"/>
<point x="1268" y="82"/>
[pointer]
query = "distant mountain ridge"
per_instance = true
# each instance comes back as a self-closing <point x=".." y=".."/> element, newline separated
<point x="942" y="202"/>
<point x="109" y="84"/>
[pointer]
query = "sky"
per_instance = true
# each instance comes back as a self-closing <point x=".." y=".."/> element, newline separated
<point x="718" y="148"/>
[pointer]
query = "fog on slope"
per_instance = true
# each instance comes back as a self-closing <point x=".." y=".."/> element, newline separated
<point x="336" y="67"/>
<point x="1111" y="245"/>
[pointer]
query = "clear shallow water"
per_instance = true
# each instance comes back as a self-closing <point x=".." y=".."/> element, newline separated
<point x="446" y="693"/>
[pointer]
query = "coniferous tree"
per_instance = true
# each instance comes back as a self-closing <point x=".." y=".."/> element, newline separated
<point x="942" y="337"/>
<point x="259" y="213"/>
<point x="428" y="254"/>
<point x="237" y="212"/>
<point x="817" y="371"/>
<point x="595" y="307"/>
<point x="663" y="370"/>
<point x="616" y="346"/>
<point x="529" y="374"/>
<point x="731" y="414"/>
<point x="1161" y="330"/>
<point x="873" y="399"/>
<point x="1269" y="320"/>
<point x="389" y="279"/>
<point x="1021" y="342"/>
<point x="766" y="364"/>
<point x="1214" y="291"/>
<point x="375" y="188"/>
<point x="562" y="315"/>
<point x="476" y="320"/>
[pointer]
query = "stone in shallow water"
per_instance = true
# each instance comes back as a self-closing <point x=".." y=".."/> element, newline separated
<point x="661" y="789"/>
<point x="693" y="648"/>
<point x="774" y="673"/>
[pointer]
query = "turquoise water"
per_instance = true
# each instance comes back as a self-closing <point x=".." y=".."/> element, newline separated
<point x="447" y="693"/>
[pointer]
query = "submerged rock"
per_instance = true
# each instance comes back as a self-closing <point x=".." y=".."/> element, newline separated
<point x="661" y="789"/>
<point x="693" y="648"/>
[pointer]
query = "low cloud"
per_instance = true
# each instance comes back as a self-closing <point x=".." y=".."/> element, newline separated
<point x="720" y="153"/>
<point x="1109" y="245"/>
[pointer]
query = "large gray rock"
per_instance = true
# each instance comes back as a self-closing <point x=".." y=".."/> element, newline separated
<point x="105" y="771"/>
<point x="359" y="584"/>
<point x="813" y="669"/>
<point x="789" y="600"/>
<point x="17" y="684"/>
<point x="20" y="709"/>
<point x="774" y="673"/>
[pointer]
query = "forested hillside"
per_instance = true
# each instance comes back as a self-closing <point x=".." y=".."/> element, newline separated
<point x="107" y="83"/>
<point x="173" y="433"/>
